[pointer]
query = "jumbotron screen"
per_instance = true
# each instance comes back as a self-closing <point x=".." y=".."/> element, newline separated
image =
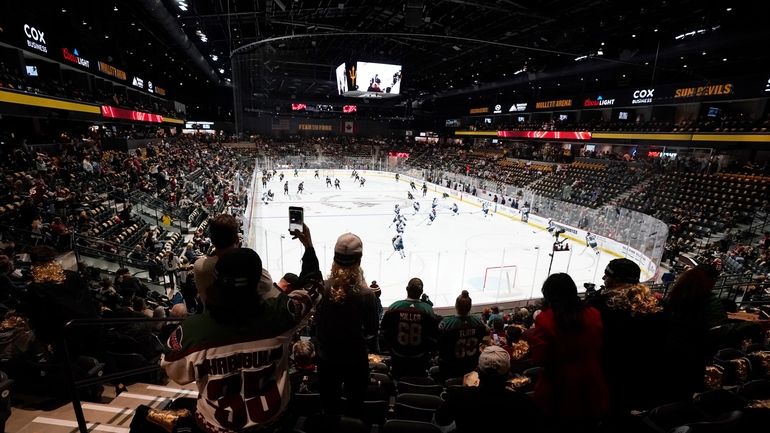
<point x="368" y="80"/>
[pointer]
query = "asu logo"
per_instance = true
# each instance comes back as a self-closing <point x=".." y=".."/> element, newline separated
<point x="175" y="340"/>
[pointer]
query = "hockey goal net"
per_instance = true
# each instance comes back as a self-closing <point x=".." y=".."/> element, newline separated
<point x="500" y="277"/>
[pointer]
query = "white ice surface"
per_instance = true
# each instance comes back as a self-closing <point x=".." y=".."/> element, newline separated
<point x="450" y="255"/>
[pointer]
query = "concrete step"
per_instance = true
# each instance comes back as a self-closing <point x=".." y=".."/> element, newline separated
<point x="112" y="417"/>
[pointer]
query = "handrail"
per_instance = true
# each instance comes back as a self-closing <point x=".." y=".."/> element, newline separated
<point x="82" y="383"/>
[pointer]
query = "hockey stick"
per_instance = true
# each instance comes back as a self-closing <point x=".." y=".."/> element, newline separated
<point x="420" y="223"/>
<point x="391" y="255"/>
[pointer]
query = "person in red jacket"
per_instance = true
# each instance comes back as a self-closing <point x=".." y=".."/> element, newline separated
<point x="567" y="342"/>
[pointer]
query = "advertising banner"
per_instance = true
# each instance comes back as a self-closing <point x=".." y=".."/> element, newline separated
<point x="546" y="135"/>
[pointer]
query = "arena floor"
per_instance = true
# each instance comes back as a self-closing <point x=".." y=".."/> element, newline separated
<point x="454" y="253"/>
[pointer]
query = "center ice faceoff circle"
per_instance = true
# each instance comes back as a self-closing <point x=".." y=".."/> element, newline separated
<point x="496" y="258"/>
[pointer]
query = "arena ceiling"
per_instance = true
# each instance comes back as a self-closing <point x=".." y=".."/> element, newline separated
<point x="448" y="48"/>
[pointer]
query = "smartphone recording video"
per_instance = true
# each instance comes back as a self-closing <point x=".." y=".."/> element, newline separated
<point x="296" y="218"/>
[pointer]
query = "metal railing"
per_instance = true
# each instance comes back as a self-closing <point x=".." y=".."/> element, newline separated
<point x="77" y="384"/>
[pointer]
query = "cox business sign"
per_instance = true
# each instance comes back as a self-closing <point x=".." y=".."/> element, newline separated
<point x="35" y="38"/>
<point x="643" y="96"/>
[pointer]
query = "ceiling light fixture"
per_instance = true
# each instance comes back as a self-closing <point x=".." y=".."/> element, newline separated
<point x="182" y="5"/>
<point x="214" y="57"/>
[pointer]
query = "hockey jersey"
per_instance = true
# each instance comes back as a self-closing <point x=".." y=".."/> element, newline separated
<point x="458" y="344"/>
<point x="241" y="371"/>
<point x="409" y="327"/>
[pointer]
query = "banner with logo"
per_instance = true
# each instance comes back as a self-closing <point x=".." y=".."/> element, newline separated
<point x="546" y="135"/>
<point x="349" y="127"/>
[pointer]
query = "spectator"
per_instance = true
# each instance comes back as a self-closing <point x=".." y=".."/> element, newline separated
<point x="634" y="329"/>
<point x="493" y="315"/>
<point x="223" y="230"/>
<point x="171" y="266"/>
<point x="347" y="323"/>
<point x="458" y="340"/>
<point x="129" y="286"/>
<point x="304" y="377"/>
<point x="377" y="293"/>
<point x="566" y="342"/>
<point x="480" y="408"/>
<point x="410" y="330"/>
<point x="239" y="331"/>
<point x="288" y="283"/>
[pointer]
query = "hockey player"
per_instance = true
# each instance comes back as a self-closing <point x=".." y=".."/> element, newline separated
<point x="400" y="226"/>
<point x="280" y="177"/>
<point x="398" y="245"/>
<point x="551" y="227"/>
<point x="353" y="173"/>
<point x="416" y="206"/>
<point x="396" y="177"/>
<point x="397" y="209"/>
<point x="316" y="175"/>
<point x="485" y="209"/>
<point x="296" y="173"/>
<point x="300" y="187"/>
<point x="286" y="188"/>
<point x="434" y="205"/>
<point x="455" y="209"/>
<point x="328" y="182"/>
<point x="264" y="198"/>
<point x="592" y="242"/>
<point x="264" y="181"/>
<point x="336" y="183"/>
<point x="412" y="185"/>
<point x="424" y="189"/>
<point x="432" y="216"/>
<point x="357" y="176"/>
<point x="363" y="181"/>
<point x="409" y="195"/>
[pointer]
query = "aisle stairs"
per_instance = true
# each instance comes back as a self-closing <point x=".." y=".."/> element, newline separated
<point x="113" y="416"/>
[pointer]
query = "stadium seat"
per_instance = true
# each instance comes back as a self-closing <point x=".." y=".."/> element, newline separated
<point x="402" y="426"/>
<point x="416" y="407"/>
<point x="727" y="423"/>
<point x="718" y="401"/>
<point x="306" y="404"/>
<point x="408" y="387"/>
<point x="669" y="416"/>
<point x="375" y="412"/>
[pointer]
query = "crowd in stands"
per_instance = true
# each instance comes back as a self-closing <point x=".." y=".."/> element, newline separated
<point x="318" y="353"/>
<point x="319" y="345"/>
<point x="77" y="90"/>
<point x="126" y="208"/>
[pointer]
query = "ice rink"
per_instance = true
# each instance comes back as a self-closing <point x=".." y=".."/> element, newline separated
<point x="497" y="258"/>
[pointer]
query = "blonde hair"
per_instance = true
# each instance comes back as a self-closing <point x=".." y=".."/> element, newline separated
<point x="636" y="298"/>
<point x="344" y="280"/>
<point x="303" y="351"/>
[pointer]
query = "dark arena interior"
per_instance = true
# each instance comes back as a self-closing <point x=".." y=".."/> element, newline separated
<point x="530" y="216"/>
